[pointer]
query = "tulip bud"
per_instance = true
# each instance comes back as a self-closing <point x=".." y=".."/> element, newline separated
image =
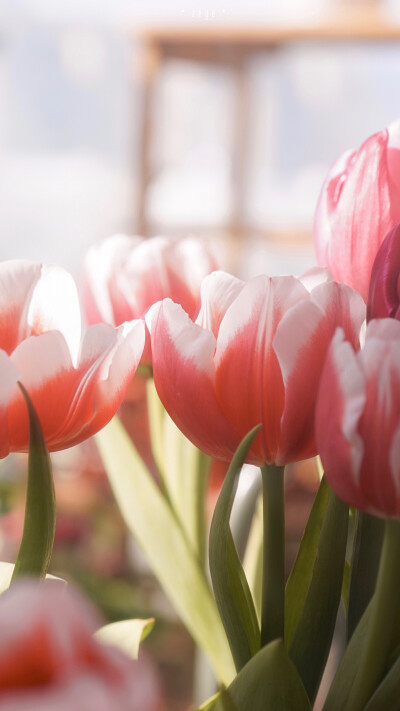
<point x="384" y="286"/>
<point x="358" y="205"/>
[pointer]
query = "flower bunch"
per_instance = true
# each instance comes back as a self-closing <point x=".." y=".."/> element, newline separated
<point x="266" y="372"/>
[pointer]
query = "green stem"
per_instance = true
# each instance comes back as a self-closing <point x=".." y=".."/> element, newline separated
<point x="273" y="586"/>
<point x="196" y="501"/>
<point x="379" y="642"/>
<point x="364" y="566"/>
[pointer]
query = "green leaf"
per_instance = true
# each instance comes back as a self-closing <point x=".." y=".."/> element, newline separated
<point x="186" y="471"/>
<point x="345" y="586"/>
<point x="156" y="413"/>
<point x="149" y="517"/>
<point x="6" y="573"/>
<point x="126" y="634"/>
<point x="268" y="682"/>
<point x="299" y="580"/>
<point x="364" y="566"/>
<point x="231" y="589"/>
<point x="387" y="695"/>
<point x="253" y="557"/>
<point x="349" y="666"/>
<point x="36" y="547"/>
<point x="313" y="635"/>
<point x="211" y="704"/>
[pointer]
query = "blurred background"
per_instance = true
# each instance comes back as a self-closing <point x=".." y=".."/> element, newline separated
<point x="216" y="117"/>
<point x="211" y="116"/>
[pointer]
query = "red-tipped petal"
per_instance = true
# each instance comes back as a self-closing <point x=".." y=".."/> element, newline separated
<point x="249" y="383"/>
<point x="340" y="403"/>
<point x="184" y="377"/>
<point x="74" y="402"/>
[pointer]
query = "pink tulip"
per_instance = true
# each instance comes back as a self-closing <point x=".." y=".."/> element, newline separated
<point x="124" y="276"/>
<point x="254" y="355"/>
<point x="76" y="387"/>
<point x="50" y="660"/>
<point x="384" y="287"/>
<point x="358" y="205"/>
<point x="358" y="419"/>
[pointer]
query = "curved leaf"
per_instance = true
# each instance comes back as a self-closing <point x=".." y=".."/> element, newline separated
<point x="300" y="578"/>
<point x="126" y="634"/>
<point x="36" y="547"/>
<point x="149" y="517"/>
<point x="313" y="635"/>
<point x="231" y="589"/>
<point x="268" y="682"/>
<point x="349" y="665"/>
<point x="367" y="549"/>
<point x="387" y="695"/>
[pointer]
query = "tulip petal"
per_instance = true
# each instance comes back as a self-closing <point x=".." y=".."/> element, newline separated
<point x="379" y="422"/>
<point x="300" y="344"/>
<point x="340" y="403"/>
<point x="8" y="379"/>
<point x="358" y="206"/>
<point x="184" y="377"/>
<point x="35" y="298"/>
<point x="74" y="403"/>
<point x="343" y="306"/>
<point x="384" y="287"/>
<point x="101" y="262"/>
<point x="116" y="354"/>
<point x="314" y="277"/>
<point x="249" y="383"/>
<point x="218" y="291"/>
<point x="393" y="153"/>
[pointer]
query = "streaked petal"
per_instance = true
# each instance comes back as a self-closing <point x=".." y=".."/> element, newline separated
<point x="17" y="282"/>
<point x="111" y="357"/>
<point x="36" y="298"/>
<point x="249" y="383"/>
<point x="184" y="377"/>
<point x="381" y="416"/>
<point x="343" y="306"/>
<point x="300" y="343"/>
<point x="101" y="262"/>
<point x="340" y="403"/>
<point x="74" y="403"/>
<point x="218" y="291"/>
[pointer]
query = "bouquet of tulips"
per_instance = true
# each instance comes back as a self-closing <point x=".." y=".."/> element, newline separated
<point x="268" y="372"/>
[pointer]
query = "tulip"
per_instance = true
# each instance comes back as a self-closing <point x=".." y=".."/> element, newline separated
<point x="49" y="658"/>
<point x="384" y="288"/>
<point x="254" y="354"/>
<point x="76" y="387"/>
<point x="358" y="419"/>
<point x="358" y="436"/>
<point x="124" y="276"/>
<point x="358" y="205"/>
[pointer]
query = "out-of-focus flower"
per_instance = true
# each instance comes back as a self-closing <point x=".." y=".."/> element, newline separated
<point x="358" y="205"/>
<point x="76" y="387"/>
<point x="358" y="419"/>
<point x="253" y="356"/>
<point x="124" y="276"/>
<point x="384" y="287"/>
<point x="49" y="658"/>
